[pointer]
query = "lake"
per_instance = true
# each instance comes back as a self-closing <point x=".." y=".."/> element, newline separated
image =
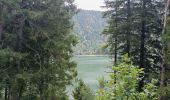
<point x="90" y="68"/>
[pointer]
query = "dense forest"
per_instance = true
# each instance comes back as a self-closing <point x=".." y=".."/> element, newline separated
<point x="88" y="26"/>
<point x="37" y="42"/>
<point x="35" y="49"/>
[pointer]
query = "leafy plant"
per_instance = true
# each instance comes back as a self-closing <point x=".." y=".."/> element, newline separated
<point x="123" y="83"/>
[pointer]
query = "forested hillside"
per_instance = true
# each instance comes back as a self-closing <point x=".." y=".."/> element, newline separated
<point x="88" y="26"/>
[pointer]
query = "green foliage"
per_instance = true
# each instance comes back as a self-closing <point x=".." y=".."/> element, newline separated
<point x="166" y="39"/>
<point x="102" y="82"/>
<point x="167" y="91"/>
<point x="123" y="83"/>
<point x="83" y="92"/>
<point x="166" y="43"/>
<point x="134" y="28"/>
<point x="36" y="49"/>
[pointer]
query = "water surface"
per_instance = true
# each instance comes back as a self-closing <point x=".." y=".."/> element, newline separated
<point x="90" y="68"/>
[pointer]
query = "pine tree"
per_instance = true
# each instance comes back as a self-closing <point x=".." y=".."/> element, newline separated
<point x="36" y="49"/>
<point x="83" y="92"/>
<point x="149" y="33"/>
<point x="119" y="28"/>
<point x="164" y="75"/>
<point x="138" y="32"/>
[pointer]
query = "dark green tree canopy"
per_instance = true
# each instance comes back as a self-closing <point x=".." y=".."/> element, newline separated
<point x="36" y="48"/>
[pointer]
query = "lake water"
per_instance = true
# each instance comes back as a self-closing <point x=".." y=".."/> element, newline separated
<point x="90" y="68"/>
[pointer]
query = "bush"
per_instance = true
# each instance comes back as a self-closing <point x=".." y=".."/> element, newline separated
<point x="83" y="92"/>
<point x="123" y="83"/>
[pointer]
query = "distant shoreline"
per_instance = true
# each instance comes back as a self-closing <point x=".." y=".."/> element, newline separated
<point x="91" y="55"/>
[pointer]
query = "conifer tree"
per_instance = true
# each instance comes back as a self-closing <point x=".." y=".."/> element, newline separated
<point x="164" y="73"/>
<point x="36" y="49"/>
<point x="138" y="32"/>
<point x="83" y="92"/>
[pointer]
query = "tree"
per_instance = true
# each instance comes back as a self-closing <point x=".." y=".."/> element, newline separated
<point x="139" y="26"/>
<point x="165" y="53"/>
<point x="127" y="78"/>
<point x="83" y="92"/>
<point x="36" y="49"/>
<point x="147" y="26"/>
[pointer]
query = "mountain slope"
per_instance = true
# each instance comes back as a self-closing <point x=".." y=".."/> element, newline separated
<point x="88" y="26"/>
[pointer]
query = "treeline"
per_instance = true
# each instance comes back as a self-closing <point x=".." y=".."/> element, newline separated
<point x="139" y="28"/>
<point x="35" y="49"/>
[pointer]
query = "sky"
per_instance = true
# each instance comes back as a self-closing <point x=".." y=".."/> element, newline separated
<point x="90" y="4"/>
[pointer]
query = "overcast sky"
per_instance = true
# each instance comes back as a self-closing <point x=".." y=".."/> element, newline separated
<point x="89" y="4"/>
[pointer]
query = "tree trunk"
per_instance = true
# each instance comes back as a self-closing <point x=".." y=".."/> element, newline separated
<point x="1" y="31"/>
<point x="142" y="45"/>
<point x="115" y="40"/>
<point x="20" y="35"/>
<point x="20" y="92"/>
<point x="6" y="93"/>
<point x="115" y="51"/>
<point x="20" y="40"/>
<point x="128" y="30"/>
<point x="162" y="75"/>
<point x="1" y="22"/>
<point x="41" y="88"/>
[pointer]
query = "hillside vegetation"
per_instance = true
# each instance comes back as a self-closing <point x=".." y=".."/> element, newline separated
<point x="88" y="26"/>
